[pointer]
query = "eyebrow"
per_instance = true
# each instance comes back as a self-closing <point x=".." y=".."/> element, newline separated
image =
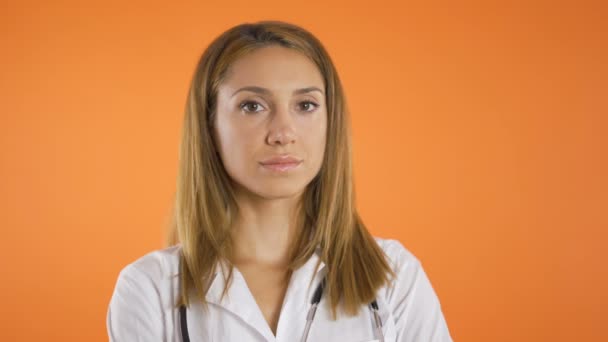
<point x="265" y="91"/>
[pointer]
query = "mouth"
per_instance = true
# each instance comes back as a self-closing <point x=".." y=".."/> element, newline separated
<point x="281" y="167"/>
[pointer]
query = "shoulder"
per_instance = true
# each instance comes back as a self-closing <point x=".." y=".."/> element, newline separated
<point x="142" y="293"/>
<point x="398" y="255"/>
<point x="408" y="270"/>
<point x="411" y="302"/>
<point x="405" y="265"/>
<point x="157" y="264"/>
<point x="151" y="273"/>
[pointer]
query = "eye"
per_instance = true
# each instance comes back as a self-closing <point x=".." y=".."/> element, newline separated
<point x="251" y="106"/>
<point x="308" y="106"/>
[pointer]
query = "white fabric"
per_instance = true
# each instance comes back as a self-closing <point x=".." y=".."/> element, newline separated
<point x="142" y="307"/>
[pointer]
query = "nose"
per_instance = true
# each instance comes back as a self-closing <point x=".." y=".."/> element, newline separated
<point x="281" y="128"/>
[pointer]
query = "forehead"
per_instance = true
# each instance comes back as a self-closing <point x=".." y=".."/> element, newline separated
<point x="276" y="68"/>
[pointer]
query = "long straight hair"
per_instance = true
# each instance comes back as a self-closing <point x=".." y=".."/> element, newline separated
<point x="205" y="206"/>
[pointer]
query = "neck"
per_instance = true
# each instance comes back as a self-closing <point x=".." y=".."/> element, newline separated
<point x="264" y="230"/>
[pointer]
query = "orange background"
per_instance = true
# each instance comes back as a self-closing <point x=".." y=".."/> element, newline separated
<point x="480" y="142"/>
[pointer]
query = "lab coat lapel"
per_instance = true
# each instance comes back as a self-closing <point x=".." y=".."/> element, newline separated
<point x="302" y="276"/>
<point x="297" y="298"/>
<point x="240" y="302"/>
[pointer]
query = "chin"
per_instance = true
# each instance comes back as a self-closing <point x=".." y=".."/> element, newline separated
<point x="281" y="193"/>
<point x="279" y="190"/>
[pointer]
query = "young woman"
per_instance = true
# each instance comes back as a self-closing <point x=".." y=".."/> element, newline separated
<point x="267" y="244"/>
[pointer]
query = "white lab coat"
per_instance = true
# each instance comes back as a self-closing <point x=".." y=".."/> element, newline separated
<point x="142" y="307"/>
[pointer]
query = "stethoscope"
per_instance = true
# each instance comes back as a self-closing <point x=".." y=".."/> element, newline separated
<point x="316" y="299"/>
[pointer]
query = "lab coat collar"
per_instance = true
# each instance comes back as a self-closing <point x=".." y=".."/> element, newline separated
<point x="240" y="302"/>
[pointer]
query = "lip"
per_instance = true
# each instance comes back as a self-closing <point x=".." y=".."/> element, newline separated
<point x="280" y="160"/>
<point x="281" y="163"/>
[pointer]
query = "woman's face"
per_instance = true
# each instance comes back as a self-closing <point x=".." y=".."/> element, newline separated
<point x="271" y="105"/>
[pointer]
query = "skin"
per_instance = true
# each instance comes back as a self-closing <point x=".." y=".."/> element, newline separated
<point x="251" y="126"/>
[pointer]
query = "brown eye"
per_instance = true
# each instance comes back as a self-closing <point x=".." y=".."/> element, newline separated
<point x="308" y="106"/>
<point x="251" y="106"/>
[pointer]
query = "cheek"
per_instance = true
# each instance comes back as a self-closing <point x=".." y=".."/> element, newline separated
<point x="321" y="132"/>
<point x="221" y="135"/>
<point x="227" y="132"/>
<point x="225" y="138"/>
<point x="234" y="144"/>
<point x="316" y="140"/>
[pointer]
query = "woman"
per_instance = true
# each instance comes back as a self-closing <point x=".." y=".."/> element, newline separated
<point x="268" y="245"/>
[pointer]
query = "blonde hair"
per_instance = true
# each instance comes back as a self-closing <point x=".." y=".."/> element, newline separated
<point x="205" y="208"/>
